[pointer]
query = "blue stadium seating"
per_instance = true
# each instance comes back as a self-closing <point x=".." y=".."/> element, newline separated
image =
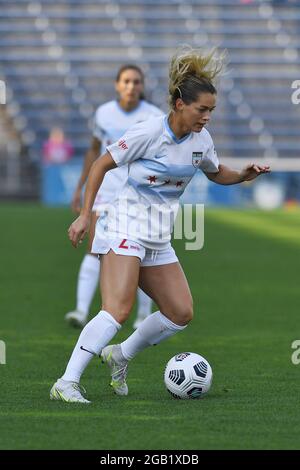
<point x="49" y="50"/>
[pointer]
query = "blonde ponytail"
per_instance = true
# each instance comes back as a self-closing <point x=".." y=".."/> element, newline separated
<point x="193" y="71"/>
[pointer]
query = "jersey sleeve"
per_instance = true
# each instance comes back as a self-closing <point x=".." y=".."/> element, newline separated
<point x="134" y="144"/>
<point x="210" y="163"/>
<point x="97" y="129"/>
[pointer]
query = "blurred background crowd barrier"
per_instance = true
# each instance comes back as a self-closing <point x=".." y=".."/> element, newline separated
<point x="58" y="62"/>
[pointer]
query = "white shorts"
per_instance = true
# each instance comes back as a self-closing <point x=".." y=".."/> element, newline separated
<point x="126" y="247"/>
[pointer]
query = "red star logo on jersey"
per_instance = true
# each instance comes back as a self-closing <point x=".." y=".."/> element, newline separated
<point x="179" y="183"/>
<point x="152" y="179"/>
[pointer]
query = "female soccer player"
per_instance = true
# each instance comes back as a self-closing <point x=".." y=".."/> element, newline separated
<point x="112" y="120"/>
<point x="162" y="156"/>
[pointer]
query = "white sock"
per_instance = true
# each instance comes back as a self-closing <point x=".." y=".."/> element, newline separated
<point x="152" y="330"/>
<point x="87" y="282"/>
<point x="144" y="304"/>
<point x="93" y="338"/>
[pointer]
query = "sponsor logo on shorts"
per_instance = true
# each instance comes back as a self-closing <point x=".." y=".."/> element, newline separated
<point x="127" y="247"/>
<point x="135" y="247"/>
<point x="122" y="244"/>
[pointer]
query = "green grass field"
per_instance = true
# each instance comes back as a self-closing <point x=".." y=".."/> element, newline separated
<point x="245" y="284"/>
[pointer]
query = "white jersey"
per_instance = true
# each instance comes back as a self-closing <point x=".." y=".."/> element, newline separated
<point x="160" y="166"/>
<point x="110" y="123"/>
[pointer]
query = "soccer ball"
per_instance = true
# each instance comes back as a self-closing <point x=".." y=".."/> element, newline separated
<point x="188" y="375"/>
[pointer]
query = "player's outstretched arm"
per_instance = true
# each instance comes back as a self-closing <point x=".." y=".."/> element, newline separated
<point x="228" y="176"/>
<point x="91" y="155"/>
<point x="80" y="226"/>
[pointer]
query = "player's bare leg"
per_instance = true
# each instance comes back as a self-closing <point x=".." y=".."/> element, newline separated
<point x="118" y="281"/>
<point x="168" y="287"/>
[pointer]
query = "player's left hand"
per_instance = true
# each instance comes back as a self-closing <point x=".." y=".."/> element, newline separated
<point x="252" y="171"/>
